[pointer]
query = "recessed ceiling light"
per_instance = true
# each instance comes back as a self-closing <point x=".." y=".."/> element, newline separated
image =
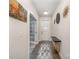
<point x="45" y="13"/>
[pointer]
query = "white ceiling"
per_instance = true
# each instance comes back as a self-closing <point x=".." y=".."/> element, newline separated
<point x="45" y="5"/>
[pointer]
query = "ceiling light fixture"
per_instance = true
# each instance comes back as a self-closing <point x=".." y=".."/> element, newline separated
<point x="45" y="13"/>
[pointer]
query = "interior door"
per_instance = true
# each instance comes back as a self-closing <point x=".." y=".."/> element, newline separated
<point x="44" y="30"/>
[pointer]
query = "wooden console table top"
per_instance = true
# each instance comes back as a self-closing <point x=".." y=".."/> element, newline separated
<point x="55" y="39"/>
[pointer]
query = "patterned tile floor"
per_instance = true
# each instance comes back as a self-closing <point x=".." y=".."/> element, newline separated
<point x="42" y="51"/>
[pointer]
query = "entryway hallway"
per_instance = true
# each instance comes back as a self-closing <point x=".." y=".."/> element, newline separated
<point x="39" y="29"/>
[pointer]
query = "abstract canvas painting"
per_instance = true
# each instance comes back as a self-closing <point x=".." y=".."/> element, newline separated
<point x="66" y="9"/>
<point x="17" y="11"/>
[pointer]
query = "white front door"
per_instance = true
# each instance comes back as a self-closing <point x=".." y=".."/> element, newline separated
<point x="44" y="29"/>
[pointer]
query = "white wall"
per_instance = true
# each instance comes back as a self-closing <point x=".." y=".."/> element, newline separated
<point x="62" y="30"/>
<point x="19" y="33"/>
<point x="44" y="28"/>
<point x="18" y="39"/>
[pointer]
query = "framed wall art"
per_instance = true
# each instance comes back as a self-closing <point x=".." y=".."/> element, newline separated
<point x="65" y="11"/>
<point x="17" y="11"/>
<point x="58" y="18"/>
